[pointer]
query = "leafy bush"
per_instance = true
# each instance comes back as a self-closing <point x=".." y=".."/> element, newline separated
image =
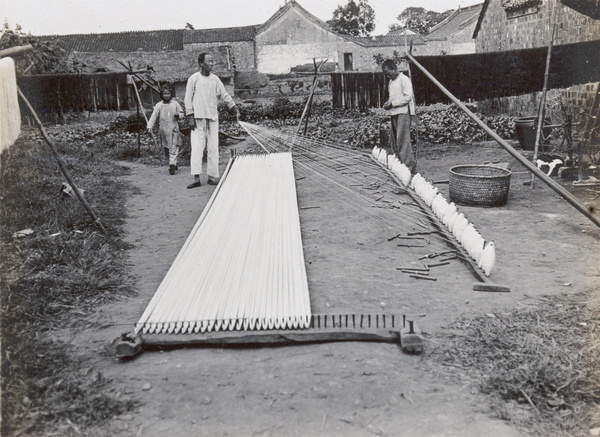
<point x="437" y="124"/>
<point x="448" y="123"/>
<point x="281" y="109"/>
<point x="131" y="123"/>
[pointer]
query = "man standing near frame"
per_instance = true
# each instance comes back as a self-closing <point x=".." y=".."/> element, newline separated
<point x="203" y="92"/>
<point x="400" y="107"/>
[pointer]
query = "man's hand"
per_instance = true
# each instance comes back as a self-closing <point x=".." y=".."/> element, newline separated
<point x="387" y="105"/>
<point x="191" y="121"/>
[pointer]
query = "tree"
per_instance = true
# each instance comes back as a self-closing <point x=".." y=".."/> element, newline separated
<point x="47" y="55"/>
<point x="419" y="20"/>
<point x="355" y="18"/>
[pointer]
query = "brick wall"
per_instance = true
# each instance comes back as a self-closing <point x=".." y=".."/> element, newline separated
<point x="532" y="29"/>
<point x="575" y="99"/>
<point x="497" y="32"/>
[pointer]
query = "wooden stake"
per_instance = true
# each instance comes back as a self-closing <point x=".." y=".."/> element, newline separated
<point x="137" y="94"/>
<point x="61" y="163"/>
<point x="306" y="111"/>
<point x="542" y="108"/>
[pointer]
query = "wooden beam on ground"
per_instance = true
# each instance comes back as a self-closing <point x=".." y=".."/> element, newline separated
<point x="438" y="225"/>
<point x="135" y="344"/>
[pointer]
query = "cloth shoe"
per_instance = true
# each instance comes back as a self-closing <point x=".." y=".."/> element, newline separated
<point x="213" y="181"/>
<point x="195" y="184"/>
<point x="172" y="168"/>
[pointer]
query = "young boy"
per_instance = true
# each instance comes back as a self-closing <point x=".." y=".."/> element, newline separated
<point x="167" y="112"/>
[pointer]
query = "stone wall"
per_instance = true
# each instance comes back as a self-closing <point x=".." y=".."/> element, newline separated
<point x="243" y="52"/>
<point x="289" y="86"/>
<point x="168" y="65"/>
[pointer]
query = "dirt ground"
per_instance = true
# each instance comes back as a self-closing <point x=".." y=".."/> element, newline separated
<point x="543" y="245"/>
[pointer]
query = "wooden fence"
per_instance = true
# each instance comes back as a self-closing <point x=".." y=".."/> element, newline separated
<point x="51" y="95"/>
<point x="478" y="76"/>
<point x="358" y="90"/>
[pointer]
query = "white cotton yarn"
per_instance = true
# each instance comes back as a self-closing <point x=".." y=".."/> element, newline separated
<point x="10" y="116"/>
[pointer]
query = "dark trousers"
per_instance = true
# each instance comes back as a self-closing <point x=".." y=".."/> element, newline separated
<point x="400" y="140"/>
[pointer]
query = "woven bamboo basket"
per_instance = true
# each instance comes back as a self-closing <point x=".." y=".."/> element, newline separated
<point x="479" y="185"/>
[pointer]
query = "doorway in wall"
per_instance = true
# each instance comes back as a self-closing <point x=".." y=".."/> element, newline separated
<point x="348" y="62"/>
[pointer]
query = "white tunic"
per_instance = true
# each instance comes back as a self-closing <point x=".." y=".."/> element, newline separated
<point x="401" y="96"/>
<point x="202" y="96"/>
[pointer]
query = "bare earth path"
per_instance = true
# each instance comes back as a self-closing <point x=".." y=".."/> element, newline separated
<point x="543" y="246"/>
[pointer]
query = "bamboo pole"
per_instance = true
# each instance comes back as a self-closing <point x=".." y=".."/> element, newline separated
<point x="306" y="111"/>
<point x="542" y="108"/>
<point x="139" y="100"/>
<point x="15" y="51"/>
<point x="61" y="163"/>
<point x="514" y="153"/>
<point x="415" y="114"/>
<point x="135" y="73"/>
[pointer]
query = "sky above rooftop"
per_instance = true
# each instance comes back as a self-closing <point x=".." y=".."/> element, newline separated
<point x="62" y="17"/>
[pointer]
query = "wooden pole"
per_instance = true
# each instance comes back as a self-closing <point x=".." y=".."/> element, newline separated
<point x="61" y="163"/>
<point x="542" y="108"/>
<point x="312" y="92"/>
<point x="415" y="114"/>
<point x="139" y="141"/>
<point x="585" y="210"/>
<point x="140" y="105"/>
<point x="135" y="73"/>
<point x="15" y="51"/>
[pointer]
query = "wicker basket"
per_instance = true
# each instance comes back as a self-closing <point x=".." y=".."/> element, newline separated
<point x="479" y="185"/>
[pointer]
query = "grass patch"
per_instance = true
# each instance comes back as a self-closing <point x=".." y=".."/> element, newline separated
<point x="541" y="358"/>
<point x="52" y="278"/>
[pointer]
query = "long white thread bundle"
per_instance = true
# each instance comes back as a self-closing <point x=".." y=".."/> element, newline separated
<point x="318" y="159"/>
<point x="242" y="267"/>
<point x="10" y="116"/>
